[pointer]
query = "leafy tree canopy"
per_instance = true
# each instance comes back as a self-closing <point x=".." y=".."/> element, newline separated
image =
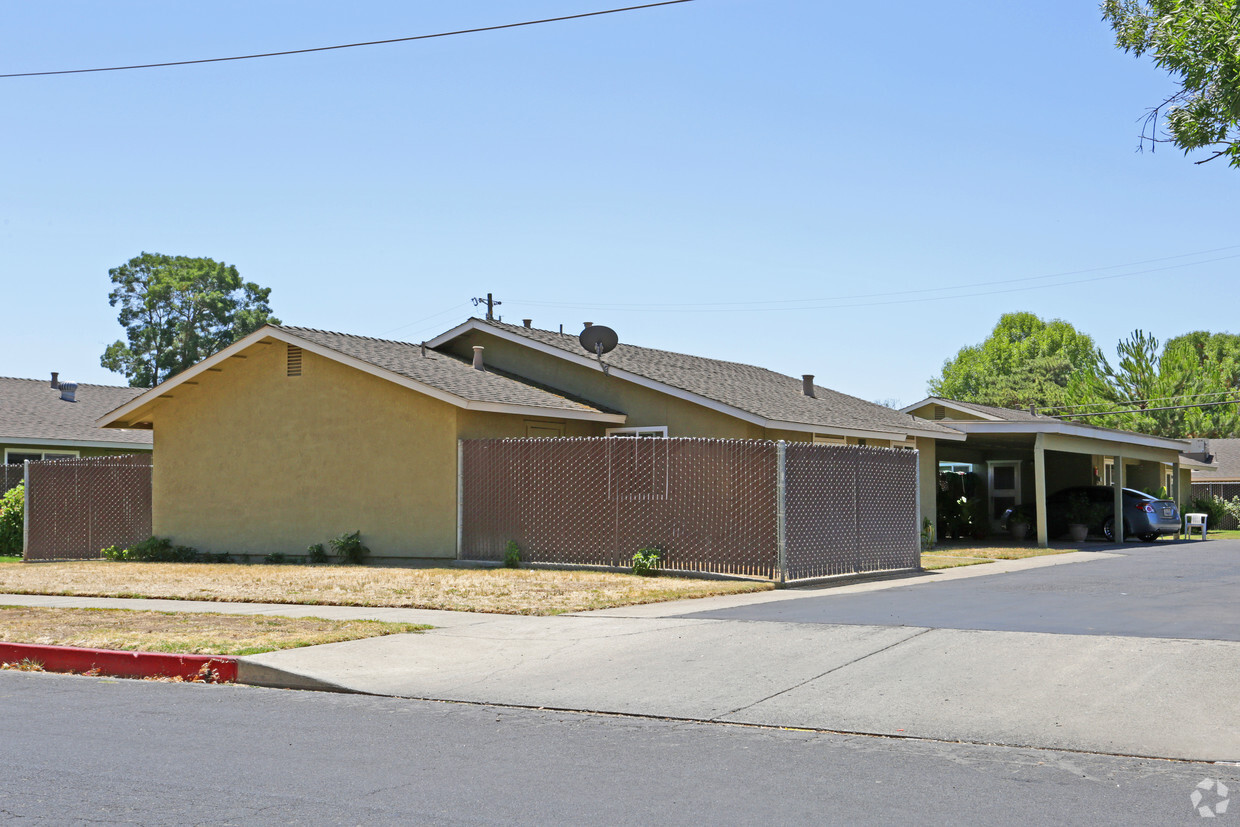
<point x="1196" y="41"/>
<point x="1025" y="361"/>
<point x="1197" y="367"/>
<point x="177" y="311"/>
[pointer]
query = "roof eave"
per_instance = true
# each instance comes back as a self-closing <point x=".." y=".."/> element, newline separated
<point x="1057" y="426"/>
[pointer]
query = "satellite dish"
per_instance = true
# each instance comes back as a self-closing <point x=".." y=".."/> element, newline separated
<point x="599" y="339"/>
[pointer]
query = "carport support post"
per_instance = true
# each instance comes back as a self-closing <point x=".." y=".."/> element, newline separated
<point x="1039" y="488"/>
<point x="1117" y="477"/>
<point x="1175" y="493"/>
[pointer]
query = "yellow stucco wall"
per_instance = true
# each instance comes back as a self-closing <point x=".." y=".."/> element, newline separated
<point x="927" y="412"/>
<point x="253" y="461"/>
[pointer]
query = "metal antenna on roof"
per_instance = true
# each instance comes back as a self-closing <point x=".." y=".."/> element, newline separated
<point x="599" y="339"/>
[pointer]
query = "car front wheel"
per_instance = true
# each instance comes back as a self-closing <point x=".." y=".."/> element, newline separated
<point x="1108" y="530"/>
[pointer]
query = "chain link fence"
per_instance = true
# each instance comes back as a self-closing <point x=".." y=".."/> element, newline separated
<point x="75" y="507"/>
<point x="730" y="507"/>
<point x="1226" y="490"/>
<point x="11" y="476"/>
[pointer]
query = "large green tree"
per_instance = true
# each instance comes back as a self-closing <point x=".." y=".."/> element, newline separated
<point x="1198" y="43"/>
<point x="1025" y="361"/>
<point x="177" y="311"/>
<point x="1169" y="391"/>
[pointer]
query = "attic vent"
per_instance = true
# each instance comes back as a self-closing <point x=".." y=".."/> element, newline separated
<point x="940" y="412"/>
<point x="294" y="360"/>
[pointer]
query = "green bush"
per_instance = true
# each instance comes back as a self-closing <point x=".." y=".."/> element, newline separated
<point x="349" y="548"/>
<point x="646" y="562"/>
<point x="276" y="558"/>
<point x="1213" y="506"/>
<point x="512" y="555"/>
<point x="13" y="522"/>
<point x="153" y="550"/>
<point x="316" y="555"/>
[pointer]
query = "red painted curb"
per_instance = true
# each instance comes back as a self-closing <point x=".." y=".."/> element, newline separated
<point x="121" y="664"/>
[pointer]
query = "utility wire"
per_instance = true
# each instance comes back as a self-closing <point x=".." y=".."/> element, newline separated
<point x="347" y="45"/>
<point x="848" y="302"/>
<point x="1138" y="401"/>
<point x="755" y="304"/>
<point x="1163" y="408"/>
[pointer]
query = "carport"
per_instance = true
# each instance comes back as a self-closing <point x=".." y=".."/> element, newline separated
<point x="1026" y="456"/>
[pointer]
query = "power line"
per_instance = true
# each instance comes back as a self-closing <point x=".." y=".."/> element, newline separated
<point x="1137" y="401"/>
<point x="843" y="301"/>
<point x="1145" y="410"/>
<point x="348" y="45"/>
<point x="756" y="304"/>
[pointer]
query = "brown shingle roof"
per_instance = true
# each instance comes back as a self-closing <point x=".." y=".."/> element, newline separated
<point x="749" y="388"/>
<point x="32" y="409"/>
<point x="442" y="371"/>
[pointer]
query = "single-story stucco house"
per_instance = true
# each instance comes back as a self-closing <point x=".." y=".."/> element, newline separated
<point x="40" y="419"/>
<point x="291" y="436"/>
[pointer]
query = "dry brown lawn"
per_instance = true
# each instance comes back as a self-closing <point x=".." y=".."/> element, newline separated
<point x="504" y="591"/>
<point x="946" y="557"/>
<point x="185" y="633"/>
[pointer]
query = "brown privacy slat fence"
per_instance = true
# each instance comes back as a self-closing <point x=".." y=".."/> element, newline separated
<point x="1226" y="490"/>
<point x="75" y="507"/>
<point x="733" y="507"/>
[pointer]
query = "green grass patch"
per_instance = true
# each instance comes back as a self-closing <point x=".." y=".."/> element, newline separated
<point x="7" y="559"/>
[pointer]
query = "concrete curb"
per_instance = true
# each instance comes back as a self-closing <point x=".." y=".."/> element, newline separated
<point x="121" y="664"/>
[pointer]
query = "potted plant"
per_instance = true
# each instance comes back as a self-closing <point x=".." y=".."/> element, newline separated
<point x="1019" y="521"/>
<point x="1079" y="514"/>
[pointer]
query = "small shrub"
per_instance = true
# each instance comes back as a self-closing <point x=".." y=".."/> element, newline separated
<point x="512" y="555"/>
<point x="646" y="562"/>
<point x="276" y="558"/>
<point x="316" y="555"/>
<point x="349" y="548"/>
<point x="13" y="522"/>
<point x="1230" y="507"/>
<point x="154" y="550"/>
<point x="1213" y="506"/>
<point x="927" y="534"/>
<point x="222" y="557"/>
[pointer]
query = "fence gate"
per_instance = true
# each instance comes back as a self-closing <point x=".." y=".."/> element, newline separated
<point x="750" y="508"/>
<point x="75" y="507"/>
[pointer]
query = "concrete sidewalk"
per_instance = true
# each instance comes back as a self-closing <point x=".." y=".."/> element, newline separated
<point x="1133" y="696"/>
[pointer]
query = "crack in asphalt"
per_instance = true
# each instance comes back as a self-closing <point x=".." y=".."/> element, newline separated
<point x="828" y="672"/>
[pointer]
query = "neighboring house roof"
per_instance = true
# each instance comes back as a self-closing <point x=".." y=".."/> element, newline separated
<point x="33" y="413"/>
<point x="1226" y="459"/>
<point x="435" y="374"/>
<point x="752" y="393"/>
<point x="1011" y="421"/>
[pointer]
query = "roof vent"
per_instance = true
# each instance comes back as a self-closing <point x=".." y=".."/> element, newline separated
<point x="294" y="360"/>
<point x="68" y="391"/>
<point x="807" y="385"/>
<point x="940" y="412"/>
<point x="587" y="324"/>
<point x="527" y="322"/>
<point x="478" y="358"/>
<point x="55" y="380"/>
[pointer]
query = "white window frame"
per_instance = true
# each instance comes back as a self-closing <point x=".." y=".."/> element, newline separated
<point x="1108" y="471"/>
<point x="652" y="431"/>
<point x="42" y="454"/>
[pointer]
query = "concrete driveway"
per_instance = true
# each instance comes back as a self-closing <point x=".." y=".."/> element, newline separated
<point x="1185" y="590"/>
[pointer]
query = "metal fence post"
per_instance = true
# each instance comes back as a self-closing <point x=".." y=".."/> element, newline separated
<point x="917" y="504"/>
<point x="25" y="507"/>
<point x="781" y="515"/>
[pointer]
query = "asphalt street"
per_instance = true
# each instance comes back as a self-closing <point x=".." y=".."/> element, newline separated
<point x="80" y="750"/>
<point x="1162" y="590"/>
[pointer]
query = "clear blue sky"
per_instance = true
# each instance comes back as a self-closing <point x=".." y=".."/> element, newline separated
<point x="634" y="170"/>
